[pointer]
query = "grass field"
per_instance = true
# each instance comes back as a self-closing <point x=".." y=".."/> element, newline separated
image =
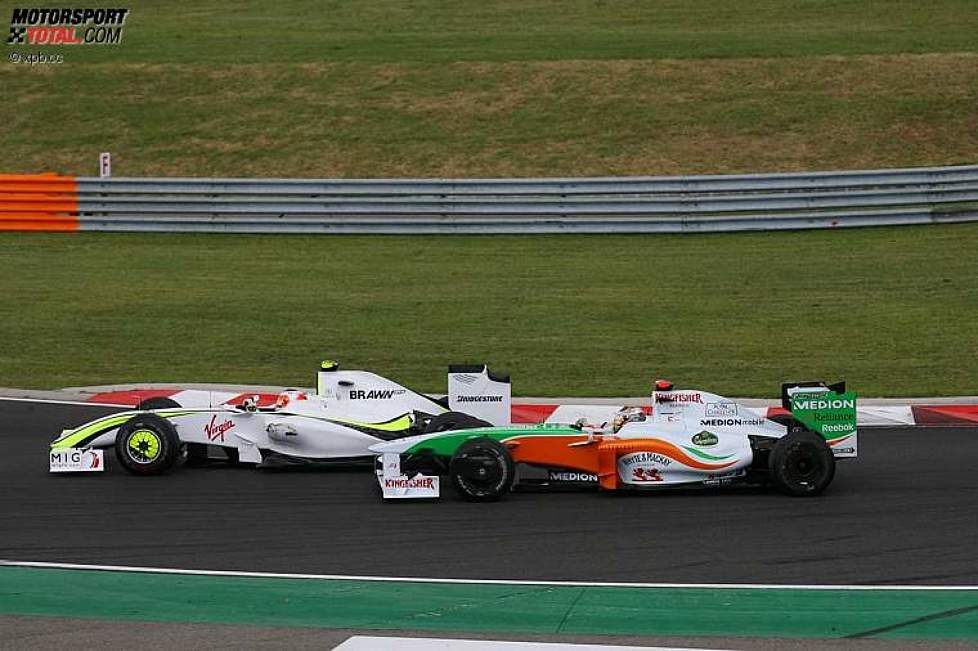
<point x="536" y="88"/>
<point x="893" y="311"/>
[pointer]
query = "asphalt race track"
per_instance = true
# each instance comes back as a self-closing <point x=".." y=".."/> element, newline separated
<point x="903" y="513"/>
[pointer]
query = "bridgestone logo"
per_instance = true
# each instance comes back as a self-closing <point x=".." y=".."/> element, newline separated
<point x="479" y="399"/>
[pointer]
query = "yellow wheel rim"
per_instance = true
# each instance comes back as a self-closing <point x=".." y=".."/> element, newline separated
<point x="144" y="446"/>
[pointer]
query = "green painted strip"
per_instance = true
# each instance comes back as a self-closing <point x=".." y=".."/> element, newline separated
<point x="494" y="608"/>
<point x="446" y="444"/>
<point x="704" y="455"/>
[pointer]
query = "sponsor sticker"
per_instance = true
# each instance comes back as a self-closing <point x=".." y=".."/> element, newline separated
<point x="642" y="467"/>
<point x="731" y="422"/>
<point x="420" y="486"/>
<point x="391" y="464"/>
<point x="837" y="427"/>
<point x="644" y="457"/>
<point x="681" y="397"/>
<point x="641" y="474"/>
<point x="833" y="415"/>
<point x="215" y="430"/>
<point x="76" y="460"/>
<point x="803" y="402"/>
<point x="566" y="475"/>
<point x="413" y="482"/>
<point x="376" y="394"/>
<point x="705" y="439"/>
<point x="720" y="409"/>
<point x="721" y="478"/>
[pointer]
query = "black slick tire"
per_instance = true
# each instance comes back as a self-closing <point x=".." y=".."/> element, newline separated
<point x="454" y="420"/>
<point x="147" y="445"/>
<point x="482" y="470"/>
<point x="195" y="453"/>
<point x="801" y="464"/>
<point x="158" y="402"/>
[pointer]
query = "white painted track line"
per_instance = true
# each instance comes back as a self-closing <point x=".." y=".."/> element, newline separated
<point x="408" y="579"/>
<point x="378" y="643"/>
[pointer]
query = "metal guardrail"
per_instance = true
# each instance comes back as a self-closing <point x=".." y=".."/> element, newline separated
<point x="587" y="205"/>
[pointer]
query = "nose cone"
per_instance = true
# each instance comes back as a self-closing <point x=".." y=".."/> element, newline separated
<point x="380" y="448"/>
<point x="399" y="446"/>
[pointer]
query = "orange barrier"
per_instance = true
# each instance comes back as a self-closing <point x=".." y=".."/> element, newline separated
<point x="38" y="202"/>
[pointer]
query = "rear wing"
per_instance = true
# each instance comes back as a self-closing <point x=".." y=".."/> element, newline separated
<point x="789" y="388"/>
<point x="827" y="409"/>
<point x="472" y="389"/>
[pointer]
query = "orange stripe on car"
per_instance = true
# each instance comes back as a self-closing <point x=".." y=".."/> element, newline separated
<point x="556" y="451"/>
<point x="599" y="457"/>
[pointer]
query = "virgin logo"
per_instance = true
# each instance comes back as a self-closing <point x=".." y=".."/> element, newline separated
<point x="215" y="431"/>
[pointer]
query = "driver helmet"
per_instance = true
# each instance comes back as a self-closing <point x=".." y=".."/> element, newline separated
<point x="627" y="415"/>
<point x="662" y="385"/>
<point x="288" y="396"/>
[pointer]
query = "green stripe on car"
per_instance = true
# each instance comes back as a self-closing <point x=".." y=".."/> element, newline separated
<point x="446" y="444"/>
<point x="704" y="455"/>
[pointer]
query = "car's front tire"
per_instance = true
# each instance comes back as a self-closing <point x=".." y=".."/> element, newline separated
<point x="482" y="470"/>
<point x="147" y="445"/>
<point x="801" y="464"/>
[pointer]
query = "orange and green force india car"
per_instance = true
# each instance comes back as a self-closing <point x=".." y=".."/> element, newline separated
<point x="687" y="438"/>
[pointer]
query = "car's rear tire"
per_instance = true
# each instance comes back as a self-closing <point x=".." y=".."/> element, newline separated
<point x="147" y="445"/>
<point x="801" y="464"/>
<point x="482" y="470"/>
<point x="454" y="420"/>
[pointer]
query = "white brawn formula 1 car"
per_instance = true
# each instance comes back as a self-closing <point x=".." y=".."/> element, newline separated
<point x="350" y="411"/>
